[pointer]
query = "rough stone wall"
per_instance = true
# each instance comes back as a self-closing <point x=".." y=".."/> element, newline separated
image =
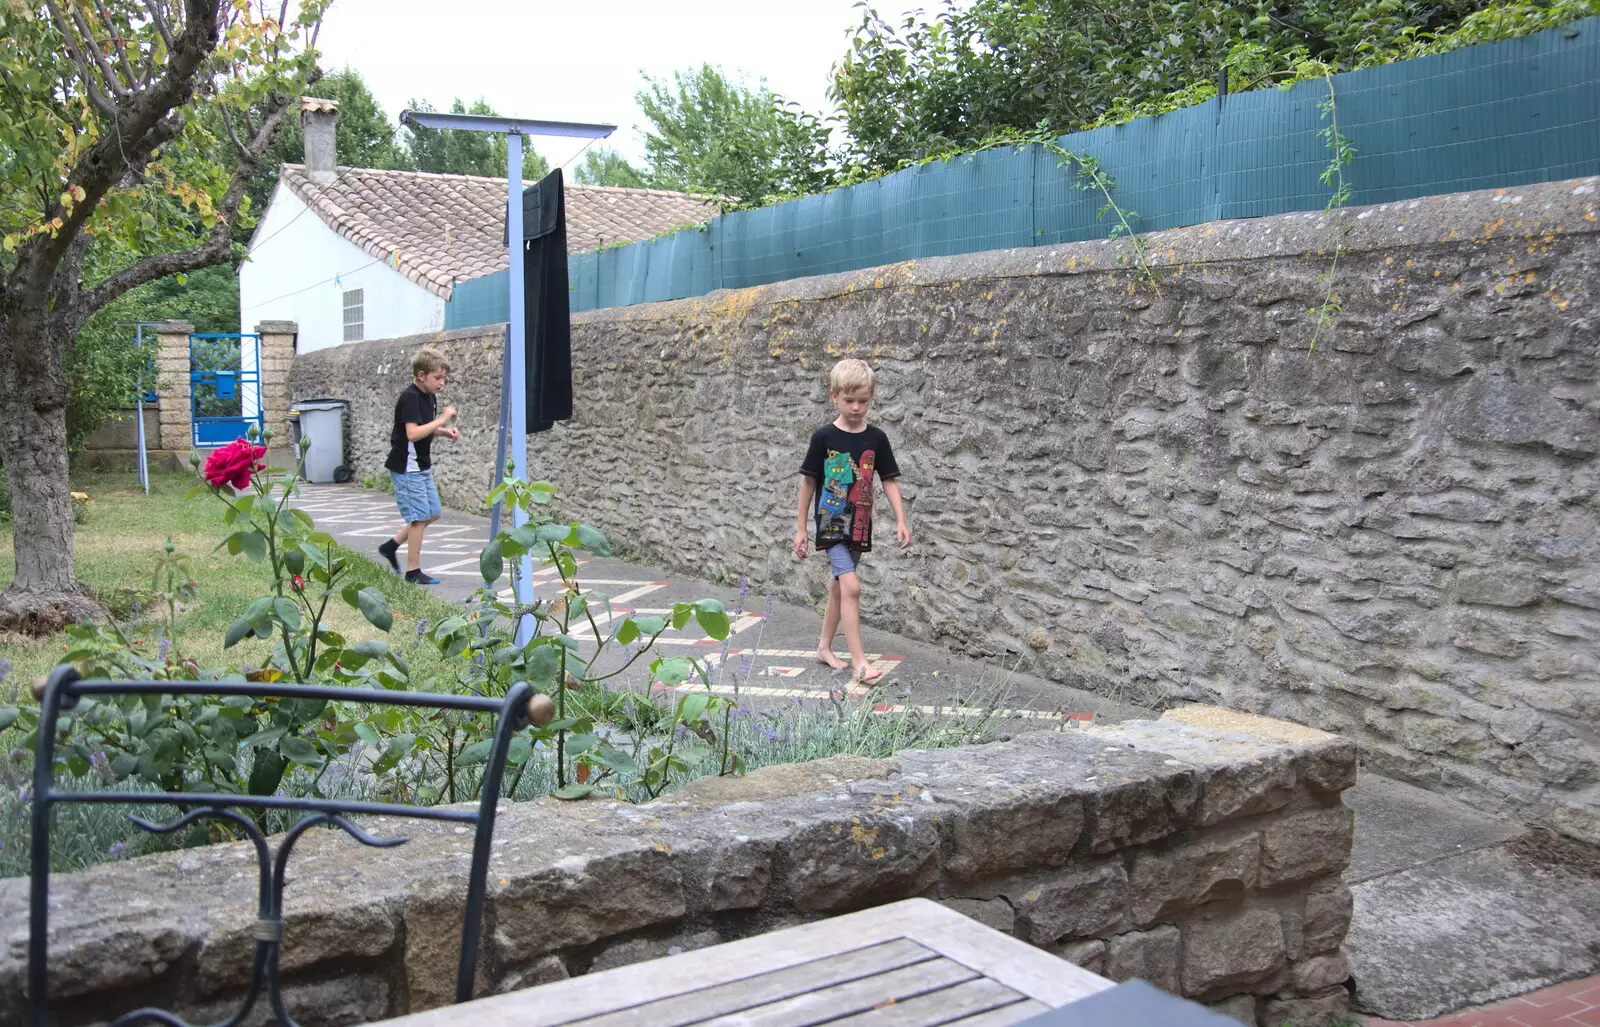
<point x="1201" y="852"/>
<point x="1162" y="490"/>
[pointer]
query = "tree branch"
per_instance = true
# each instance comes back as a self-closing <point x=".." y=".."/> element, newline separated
<point x="138" y="129"/>
<point x="219" y="246"/>
<point x="110" y="77"/>
<point x="117" y="41"/>
<point x="155" y="7"/>
<point x="227" y="124"/>
<point x="105" y="106"/>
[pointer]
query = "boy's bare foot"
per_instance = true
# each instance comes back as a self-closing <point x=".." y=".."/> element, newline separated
<point x="868" y="676"/>
<point x="825" y="656"/>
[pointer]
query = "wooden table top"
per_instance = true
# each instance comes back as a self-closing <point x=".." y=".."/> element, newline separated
<point x="910" y="963"/>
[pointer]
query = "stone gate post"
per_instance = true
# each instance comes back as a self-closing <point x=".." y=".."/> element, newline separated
<point x="172" y="377"/>
<point x="277" y="354"/>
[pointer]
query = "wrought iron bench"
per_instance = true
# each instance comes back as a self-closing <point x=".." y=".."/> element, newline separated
<point x="65" y="687"/>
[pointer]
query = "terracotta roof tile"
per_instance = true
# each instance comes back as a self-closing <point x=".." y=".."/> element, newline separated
<point x="438" y="230"/>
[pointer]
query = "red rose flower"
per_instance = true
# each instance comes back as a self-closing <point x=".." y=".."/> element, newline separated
<point x="297" y="583"/>
<point x="234" y="463"/>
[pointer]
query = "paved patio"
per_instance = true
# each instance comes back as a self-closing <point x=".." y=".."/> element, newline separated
<point x="1573" y="1004"/>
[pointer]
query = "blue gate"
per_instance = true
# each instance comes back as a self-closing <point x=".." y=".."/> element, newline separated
<point x="224" y="388"/>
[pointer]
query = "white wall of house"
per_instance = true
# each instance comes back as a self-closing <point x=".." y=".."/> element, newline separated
<point x="300" y="270"/>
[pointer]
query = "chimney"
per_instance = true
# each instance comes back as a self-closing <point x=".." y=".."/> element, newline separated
<point x="319" y="121"/>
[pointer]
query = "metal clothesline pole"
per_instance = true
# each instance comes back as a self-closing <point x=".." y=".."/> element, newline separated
<point x="138" y="345"/>
<point x="513" y="375"/>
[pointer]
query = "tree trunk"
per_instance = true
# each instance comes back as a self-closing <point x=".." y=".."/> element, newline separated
<point x="44" y="597"/>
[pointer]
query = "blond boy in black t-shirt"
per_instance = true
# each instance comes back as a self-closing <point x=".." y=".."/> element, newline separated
<point x="836" y="489"/>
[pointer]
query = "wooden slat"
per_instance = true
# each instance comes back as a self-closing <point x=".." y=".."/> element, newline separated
<point x="696" y="1006"/>
<point x="1018" y="965"/>
<point x="1005" y="1016"/>
<point x="830" y="1004"/>
<point x="940" y="1007"/>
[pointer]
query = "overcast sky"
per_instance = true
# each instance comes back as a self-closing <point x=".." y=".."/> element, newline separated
<point x="580" y="61"/>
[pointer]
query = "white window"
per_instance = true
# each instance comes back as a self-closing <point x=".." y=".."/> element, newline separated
<point x="354" y="315"/>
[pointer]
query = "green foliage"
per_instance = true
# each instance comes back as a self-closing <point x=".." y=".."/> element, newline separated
<point x="605" y="166"/>
<point x="465" y="153"/>
<point x="951" y="79"/>
<point x="718" y="137"/>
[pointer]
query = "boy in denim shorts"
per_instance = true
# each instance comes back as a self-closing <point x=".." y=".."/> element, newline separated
<point x="837" y="472"/>
<point x="410" y="463"/>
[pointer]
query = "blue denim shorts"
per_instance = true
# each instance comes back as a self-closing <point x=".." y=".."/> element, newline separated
<point x="415" y="495"/>
<point x="843" y="560"/>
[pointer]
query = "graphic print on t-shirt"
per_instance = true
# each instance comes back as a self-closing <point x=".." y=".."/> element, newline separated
<point x="843" y="465"/>
<point x="845" y="506"/>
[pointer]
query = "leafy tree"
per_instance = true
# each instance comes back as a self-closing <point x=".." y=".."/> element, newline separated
<point x="104" y="138"/>
<point x="958" y="77"/>
<point x="711" y="135"/>
<point x="466" y="153"/>
<point x="604" y="166"/>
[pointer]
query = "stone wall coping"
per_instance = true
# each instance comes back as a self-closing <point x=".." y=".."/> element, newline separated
<point x="175" y="328"/>
<point x="812" y="839"/>
<point x="277" y="328"/>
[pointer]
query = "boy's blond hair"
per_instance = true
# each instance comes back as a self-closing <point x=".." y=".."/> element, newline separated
<point x="427" y="361"/>
<point x="851" y="374"/>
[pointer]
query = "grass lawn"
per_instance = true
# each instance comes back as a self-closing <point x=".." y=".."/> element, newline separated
<point x="116" y="551"/>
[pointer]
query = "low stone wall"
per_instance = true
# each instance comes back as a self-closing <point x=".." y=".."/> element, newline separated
<point x="1385" y="528"/>
<point x="1201" y="852"/>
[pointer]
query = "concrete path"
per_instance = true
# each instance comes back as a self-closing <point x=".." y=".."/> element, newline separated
<point x="1455" y="909"/>
<point x="770" y="652"/>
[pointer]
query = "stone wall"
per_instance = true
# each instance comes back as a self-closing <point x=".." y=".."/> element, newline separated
<point x="1201" y="852"/>
<point x="1172" y="490"/>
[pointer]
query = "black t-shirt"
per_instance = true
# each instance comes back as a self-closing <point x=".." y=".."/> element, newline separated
<point x="413" y="407"/>
<point x="843" y="463"/>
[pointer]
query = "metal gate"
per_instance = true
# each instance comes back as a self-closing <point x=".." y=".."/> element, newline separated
<point x="224" y="388"/>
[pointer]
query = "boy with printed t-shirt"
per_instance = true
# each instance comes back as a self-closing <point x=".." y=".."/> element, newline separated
<point x="837" y="473"/>
<point x="410" y="463"/>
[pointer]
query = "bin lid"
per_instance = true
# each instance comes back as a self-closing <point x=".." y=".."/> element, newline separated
<point x="320" y="404"/>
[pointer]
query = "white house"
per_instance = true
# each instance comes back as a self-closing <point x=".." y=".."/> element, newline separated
<point x="361" y="253"/>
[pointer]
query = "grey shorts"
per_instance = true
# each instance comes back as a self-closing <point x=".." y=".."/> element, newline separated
<point x="415" y="495"/>
<point x="843" y="560"/>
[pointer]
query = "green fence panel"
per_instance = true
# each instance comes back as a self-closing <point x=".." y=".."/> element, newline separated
<point x="1492" y="116"/>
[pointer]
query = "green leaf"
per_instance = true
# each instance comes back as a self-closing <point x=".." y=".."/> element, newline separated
<point x="592" y="540"/>
<point x="580" y="743"/>
<point x="399" y="747"/>
<point x="491" y="564"/>
<point x="524" y="536"/>
<point x="367" y="733"/>
<point x="351" y="594"/>
<point x="264" y="738"/>
<point x="266" y="772"/>
<point x="681" y="612"/>
<point x="449" y="626"/>
<point x="375" y="608"/>
<point x="235" y="633"/>
<point x="294" y="561"/>
<point x="303" y="517"/>
<point x="254" y="545"/>
<point x="673" y="672"/>
<point x="287" y="612"/>
<point x="234" y="542"/>
<point x="692" y="707"/>
<point x="713" y="620"/>
<point x="542" y="664"/>
<point x="475" y="753"/>
<point x="123" y="765"/>
<point x="298" y="750"/>
<point x="8" y="716"/>
<point x="614" y="759"/>
<point x="650" y="625"/>
<point x="519" y="750"/>
<point x="627" y="631"/>
<point x="372" y="648"/>
<point x="573" y="792"/>
<point x="561" y="533"/>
